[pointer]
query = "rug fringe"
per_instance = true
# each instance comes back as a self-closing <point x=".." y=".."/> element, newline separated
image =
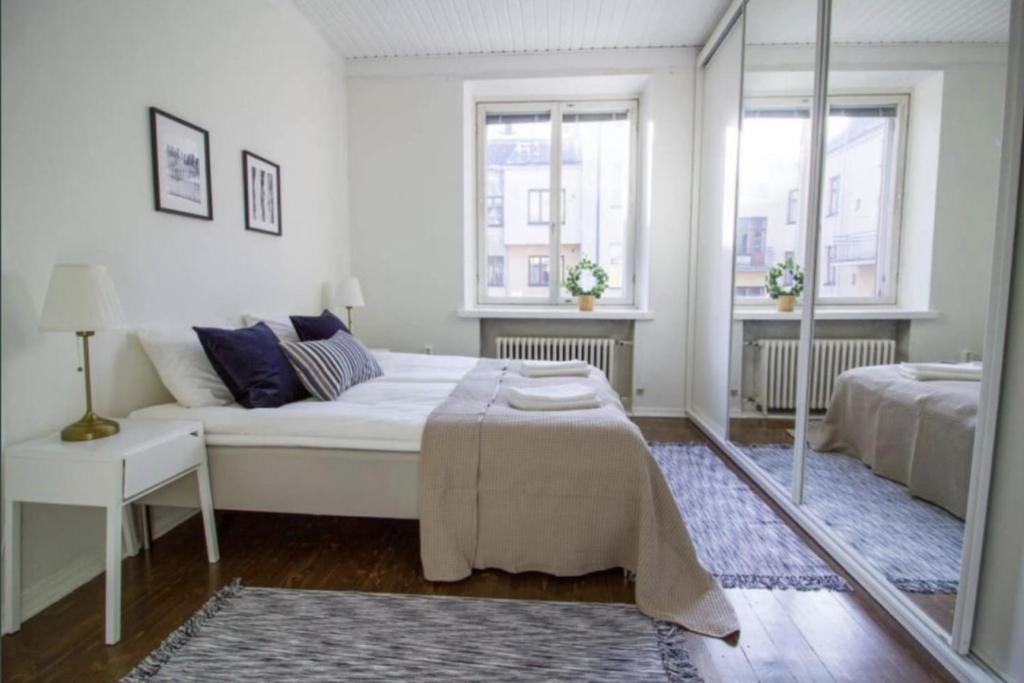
<point x="674" y="656"/>
<point x="799" y="583"/>
<point x="926" y="585"/>
<point x="148" y="668"/>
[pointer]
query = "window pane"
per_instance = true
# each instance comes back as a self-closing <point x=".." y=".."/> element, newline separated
<point x="770" y="226"/>
<point x="857" y="207"/>
<point x="595" y="194"/>
<point x="518" y="177"/>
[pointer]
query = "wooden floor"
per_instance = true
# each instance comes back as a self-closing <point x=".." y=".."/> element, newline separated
<point x="939" y="606"/>
<point x="786" y="635"/>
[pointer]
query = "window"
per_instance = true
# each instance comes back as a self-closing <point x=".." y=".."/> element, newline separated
<point x="495" y="198"/>
<point x="833" y="195"/>
<point x="538" y="207"/>
<point x="751" y="231"/>
<point x="539" y="273"/>
<point x="792" y="207"/>
<point x="495" y="212"/>
<point x="495" y="271"/>
<point x="863" y="164"/>
<point x="519" y="170"/>
<point x="860" y="227"/>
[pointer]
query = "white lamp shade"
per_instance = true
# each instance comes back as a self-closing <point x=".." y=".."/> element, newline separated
<point x="80" y="298"/>
<point x="351" y="294"/>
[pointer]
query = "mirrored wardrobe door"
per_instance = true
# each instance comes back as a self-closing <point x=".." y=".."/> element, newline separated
<point x="721" y="77"/>
<point x="908" y="187"/>
<point x="771" y="227"/>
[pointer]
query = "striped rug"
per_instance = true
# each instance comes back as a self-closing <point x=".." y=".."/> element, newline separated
<point x="266" y="634"/>
<point x="738" y="536"/>
<point x="915" y="544"/>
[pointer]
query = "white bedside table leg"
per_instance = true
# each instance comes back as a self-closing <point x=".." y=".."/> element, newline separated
<point x="144" y="511"/>
<point x="209" y="522"/>
<point x="113" y="620"/>
<point x="12" y="566"/>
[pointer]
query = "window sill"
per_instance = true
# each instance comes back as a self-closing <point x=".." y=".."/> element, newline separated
<point x="527" y="312"/>
<point x="835" y="313"/>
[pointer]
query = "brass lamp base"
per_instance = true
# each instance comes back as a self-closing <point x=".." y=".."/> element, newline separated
<point x="89" y="428"/>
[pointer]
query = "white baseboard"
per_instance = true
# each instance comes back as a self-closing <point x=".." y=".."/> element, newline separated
<point x="163" y="519"/>
<point x="656" y="411"/>
<point x="43" y="593"/>
<point x="50" y="589"/>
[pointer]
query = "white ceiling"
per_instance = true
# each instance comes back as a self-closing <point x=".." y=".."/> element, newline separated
<point x="782" y="22"/>
<point x="409" y="28"/>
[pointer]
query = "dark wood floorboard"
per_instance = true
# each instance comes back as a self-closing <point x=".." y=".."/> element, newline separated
<point x="786" y="636"/>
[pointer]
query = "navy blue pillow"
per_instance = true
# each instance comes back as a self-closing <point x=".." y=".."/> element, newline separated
<point x="317" y="327"/>
<point x="252" y="365"/>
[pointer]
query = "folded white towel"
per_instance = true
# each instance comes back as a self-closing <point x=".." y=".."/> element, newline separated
<point x="924" y="372"/>
<point x="522" y="404"/>
<point x="555" y="368"/>
<point x="553" y="397"/>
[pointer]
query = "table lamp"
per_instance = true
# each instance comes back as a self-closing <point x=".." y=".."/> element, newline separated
<point x="350" y="295"/>
<point x="82" y="299"/>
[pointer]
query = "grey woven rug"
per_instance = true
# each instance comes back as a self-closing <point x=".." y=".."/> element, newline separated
<point x="915" y="544"/>
<point x="738" y="537"/>
<point x="267" y="634"/>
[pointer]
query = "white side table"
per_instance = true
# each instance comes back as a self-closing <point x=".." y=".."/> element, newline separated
<point x="108" y="473"/>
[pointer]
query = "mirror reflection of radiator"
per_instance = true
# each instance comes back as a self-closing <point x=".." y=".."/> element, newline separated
<point x="598" y="351"/>
<point x="776" y="386"/>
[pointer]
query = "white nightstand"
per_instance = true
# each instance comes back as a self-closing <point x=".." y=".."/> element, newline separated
<point x="108" y="473"/>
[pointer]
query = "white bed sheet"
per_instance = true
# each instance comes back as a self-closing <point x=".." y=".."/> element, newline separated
<point x="419" y="367"/>
<point x="386" y="414"/>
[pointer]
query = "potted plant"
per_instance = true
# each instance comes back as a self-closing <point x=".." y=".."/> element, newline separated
<point x="586" y="281"/>
<point x="785" y="283"/>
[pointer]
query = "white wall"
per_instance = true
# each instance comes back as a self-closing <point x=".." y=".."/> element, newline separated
<point x="77" y="80"/>
<point x="965" y="211"/>
<point x="410" y="196"/>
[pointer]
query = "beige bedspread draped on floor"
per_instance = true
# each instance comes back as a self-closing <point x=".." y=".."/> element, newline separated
<point x="565" y="493"/>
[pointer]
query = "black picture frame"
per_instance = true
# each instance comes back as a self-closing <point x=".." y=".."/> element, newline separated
<point x="166" y="199"/>
<point x="264" y="197"/>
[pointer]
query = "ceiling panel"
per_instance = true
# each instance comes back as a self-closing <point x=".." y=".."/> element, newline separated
<point x="408" y="28"/>
<point x="782" y="22"/>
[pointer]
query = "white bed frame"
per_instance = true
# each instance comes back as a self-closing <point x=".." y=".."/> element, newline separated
<point x="312" y="481"/>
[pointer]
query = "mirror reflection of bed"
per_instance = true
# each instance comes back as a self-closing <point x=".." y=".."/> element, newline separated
<point x="904" y="237"/>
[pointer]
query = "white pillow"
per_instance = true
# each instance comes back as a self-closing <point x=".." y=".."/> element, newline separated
<point x="184" y="368"/>
<point x="280" y="325"/>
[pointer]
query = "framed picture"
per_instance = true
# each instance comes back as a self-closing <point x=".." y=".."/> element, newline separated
<point x="181" y="166"/>
<point x="261" y="179"/>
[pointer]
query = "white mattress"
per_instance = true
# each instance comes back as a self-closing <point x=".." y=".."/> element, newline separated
<point x="386" y="414"/>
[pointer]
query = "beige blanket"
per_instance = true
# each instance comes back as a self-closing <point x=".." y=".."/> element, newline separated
<point x="920" y="434"/>
<point x="565" y="493"/>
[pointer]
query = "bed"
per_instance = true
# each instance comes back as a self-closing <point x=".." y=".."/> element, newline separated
<point x="917" y="433"/>
<point x="355" y="456"/>
<point x="434" y="438"/>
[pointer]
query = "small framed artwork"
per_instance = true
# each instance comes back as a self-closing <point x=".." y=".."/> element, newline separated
<point x="261" y="179"/>
<point x="181" y="166"/>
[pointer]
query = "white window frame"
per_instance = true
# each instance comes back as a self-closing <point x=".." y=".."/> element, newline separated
<point x="556" y="109"/>
<point x="896" y="164"/>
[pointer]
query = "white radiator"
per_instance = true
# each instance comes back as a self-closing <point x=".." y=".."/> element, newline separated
<point x="829" y="358"/>
<point x="597" y="351"/>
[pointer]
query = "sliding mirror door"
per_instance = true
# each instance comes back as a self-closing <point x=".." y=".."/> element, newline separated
<point x="721" y="75"/>
<point x="771" y="227"/>
<point x="908" y="188"/>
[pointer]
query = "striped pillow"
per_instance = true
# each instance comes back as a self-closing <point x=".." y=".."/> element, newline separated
<point x="330" y="366"/>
